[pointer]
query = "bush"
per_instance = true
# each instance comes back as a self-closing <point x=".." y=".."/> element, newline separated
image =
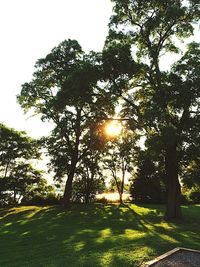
<point x="184" y="199"/>
<point x="50" y="199"/>
<point x="147" y="185"/>
<point x="147" y="190"/>
<point x="193" y="195"/>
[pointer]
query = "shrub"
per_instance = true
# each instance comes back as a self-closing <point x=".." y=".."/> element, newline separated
<point x="193" y="195"/>
<point x="49" y="199"/>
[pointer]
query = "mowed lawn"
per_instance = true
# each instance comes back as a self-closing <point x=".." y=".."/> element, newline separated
<point x="92" y="235"/>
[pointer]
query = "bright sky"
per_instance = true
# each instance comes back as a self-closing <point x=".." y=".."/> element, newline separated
<point x="29" y="30"/>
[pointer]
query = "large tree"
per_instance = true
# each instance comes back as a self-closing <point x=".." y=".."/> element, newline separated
<point x="161" y="103"/>
<point x="65" y="90"/>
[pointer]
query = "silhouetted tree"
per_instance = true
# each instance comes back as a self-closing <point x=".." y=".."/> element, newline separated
<point x="147" y="184"/>
<point x="66" y="91"/>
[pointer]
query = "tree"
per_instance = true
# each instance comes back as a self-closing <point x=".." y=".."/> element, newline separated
<point x="16" y="171"/>
<point x="22" y="178"/>
<point x="41" y="194"/>
<point x="89" y="179"/>
<point x="119" y="159"/>
<point x="160" y="102"/>
<point x="15" y="146"/>
<point x="147" y="184"/>
<point x="66" y="91"/>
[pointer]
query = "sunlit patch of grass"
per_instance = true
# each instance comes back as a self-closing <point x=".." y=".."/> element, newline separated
<point x="79" y="246"/>
<point x="132" y="234"/>
<point x="92" y="235"/>
<point x="105" y="233"/>
<point x="8" y="224"/>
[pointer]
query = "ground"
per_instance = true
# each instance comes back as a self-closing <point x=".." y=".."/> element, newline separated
<point x="92" y="235"/>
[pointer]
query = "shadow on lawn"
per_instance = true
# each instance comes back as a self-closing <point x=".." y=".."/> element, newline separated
<point x="92" y="235"/>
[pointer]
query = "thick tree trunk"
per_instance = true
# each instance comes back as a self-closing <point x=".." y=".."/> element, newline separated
<point x="75" y="158"/>
<point x="68" y="187"/>
<point x="173" y="209"/>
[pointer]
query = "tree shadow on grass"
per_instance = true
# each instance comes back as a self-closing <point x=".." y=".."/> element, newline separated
<point x="183" y="233"/>
<point x="92" y="235"/>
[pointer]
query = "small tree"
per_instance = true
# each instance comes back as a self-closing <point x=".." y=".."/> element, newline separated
<point x="88" y="179"/>
<point x="119" y="159"/>
<point x="22" y="178"/>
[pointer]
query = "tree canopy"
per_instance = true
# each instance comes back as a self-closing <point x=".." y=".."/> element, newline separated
<point x="66" y="89"/>
<point x="17" y="175"/>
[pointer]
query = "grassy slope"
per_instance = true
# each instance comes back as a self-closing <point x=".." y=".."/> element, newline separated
<point x="94" y="235"/>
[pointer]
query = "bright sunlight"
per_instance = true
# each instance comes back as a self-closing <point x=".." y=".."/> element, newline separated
<point x="113" y="128"/>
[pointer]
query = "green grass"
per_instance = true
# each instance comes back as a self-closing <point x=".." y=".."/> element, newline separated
<point x="93" y="235"/>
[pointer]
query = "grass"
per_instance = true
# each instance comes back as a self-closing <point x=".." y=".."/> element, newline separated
<point x="93" y="235"/>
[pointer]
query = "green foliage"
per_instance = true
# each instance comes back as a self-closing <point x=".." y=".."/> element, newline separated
<point x="117" y="62"/>
<point x="88" y="179"/>
<point x="119" y="159"/>
<point x="163" y="105"/>
<point x="153" y="23"/>
<point x="50" y="198"/>
<point x="16" y="145"/>
<point x="41" y="194"/>
<point x="17" y="176"/>
<point x="86" y="188"/>
<point x="66" y="90"/>
<point x="147" y="184"/>
<point x="193" y="195"/>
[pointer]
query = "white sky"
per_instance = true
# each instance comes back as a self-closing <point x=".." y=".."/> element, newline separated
<point x="29" y="29"/>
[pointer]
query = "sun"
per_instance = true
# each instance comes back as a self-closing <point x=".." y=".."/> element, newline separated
<point x="113" y="128"/>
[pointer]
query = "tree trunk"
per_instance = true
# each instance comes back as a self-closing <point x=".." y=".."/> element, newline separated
<point x="121" y="197"/>
<point x="122" y="182"/>
<point x="118" y="188"/>
<point x="15" y="197"/>
<point x="173" y="209"/>
<point x="6" y="169"/>
<point x="68" y="186"/>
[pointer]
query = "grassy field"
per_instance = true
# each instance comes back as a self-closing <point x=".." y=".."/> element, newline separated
<point x="93" y="235"/>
